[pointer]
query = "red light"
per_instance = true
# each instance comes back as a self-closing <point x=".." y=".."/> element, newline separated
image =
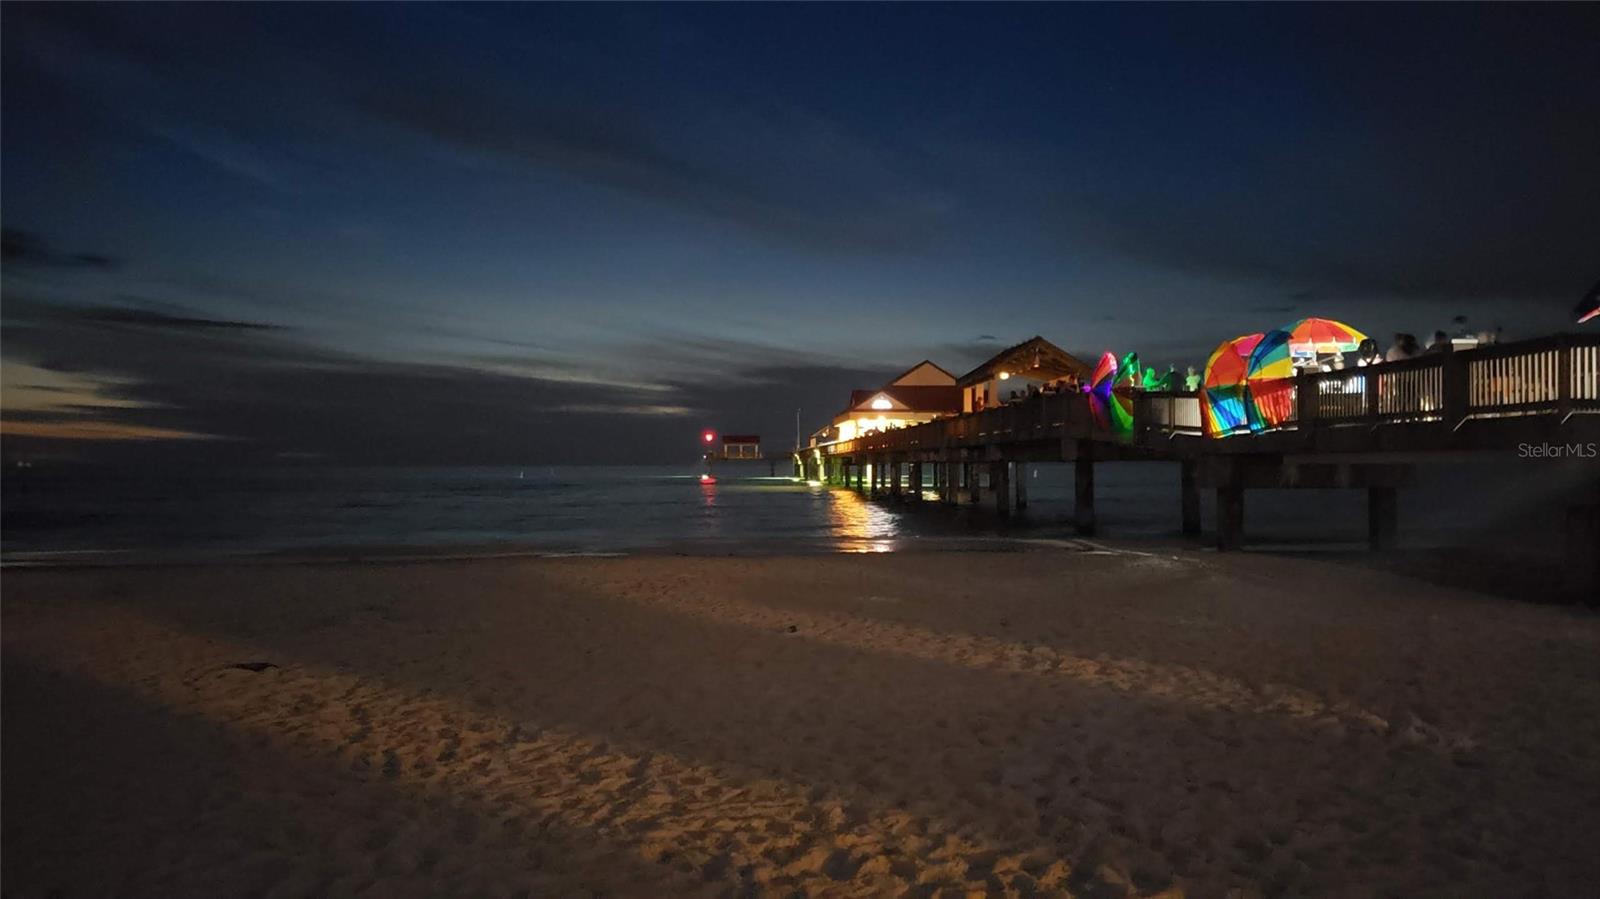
<point x="709" y="436"/>
<point x="707" y="479"/>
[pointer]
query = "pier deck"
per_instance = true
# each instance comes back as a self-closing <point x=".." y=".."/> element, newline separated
<point x="1361" y="428"/>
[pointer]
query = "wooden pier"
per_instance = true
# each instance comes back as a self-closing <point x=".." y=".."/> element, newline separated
<point x="1360" y="428"/>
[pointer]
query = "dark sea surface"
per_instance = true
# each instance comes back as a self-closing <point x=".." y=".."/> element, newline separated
<point x="74" y="514"/>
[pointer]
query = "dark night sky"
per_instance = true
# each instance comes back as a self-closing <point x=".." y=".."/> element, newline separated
<point x="519" y="234"/>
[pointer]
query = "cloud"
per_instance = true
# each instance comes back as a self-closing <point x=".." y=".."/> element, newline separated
<point x="229" y="154"/>
<point x="153" y="318"/>
<point x="122" y="383"/>
<point x="765" y="399"/>
<point x="92" y="430"/>
<point x="612" y="146"/>
<point x="24" y="248"/>
<point x="1467" y="253"/>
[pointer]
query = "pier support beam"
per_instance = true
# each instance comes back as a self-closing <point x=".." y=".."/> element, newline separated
<point x="1000" y="485"/>
<point x="1383" y="517"/>
<point x="914" y="483"/>
<point x="894" y="478"/>
<point x="1022" y="486"/>
<point x="1083" y="488"/>
<point x="1189" y="488"/>
<point x="1230" y="518"/>
<point x="973" y="491"/>
<point x="860" y="474"/>
<point x="952" y="483"/>
<point x="1581" y="569"/>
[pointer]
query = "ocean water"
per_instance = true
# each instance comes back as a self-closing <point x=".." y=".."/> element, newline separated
<point x="73" y="514"/>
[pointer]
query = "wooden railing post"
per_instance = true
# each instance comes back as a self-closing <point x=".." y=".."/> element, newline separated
<point x="1369" y="393"/>
<point x="1563" y="380"/>
<point x="1306" y="390"/>
<point x="1453" y="384"/>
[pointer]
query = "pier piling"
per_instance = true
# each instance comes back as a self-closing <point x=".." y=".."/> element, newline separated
<point x="1189" y="487"/>
<point x="1230" y="517"/>
<point x="1582" y="567"/>
<point x="1000" y="485"/>
<point x="1383" y="517"/>
<point x="1083" y="488"/>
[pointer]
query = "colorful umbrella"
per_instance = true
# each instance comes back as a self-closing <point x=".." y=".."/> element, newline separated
<point x="1100" y="386"/>
<point x="1273" y="357"/>
<point x="1126" y="382"/>
<point x="1270" y="378"/>
<point x="1310" y="336"/>
<point x="1128" y="370"/>
<point x="1222" y="391"/>
<point x="1588" y="307"/>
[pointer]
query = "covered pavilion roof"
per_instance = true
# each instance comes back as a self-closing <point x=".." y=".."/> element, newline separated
<point x="1034" y="358"/>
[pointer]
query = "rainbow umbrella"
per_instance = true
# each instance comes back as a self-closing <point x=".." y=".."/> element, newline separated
<point x="1588" y="307"/>
<point x="1222" y="392"/>
<point x="1128" y="370"/>
<point x="1122" y="388"/>
<point x="1269" y="376"/>
<point x="1272" y="357"/>
<point x="1100" y="387"/>
<point x="1310" y="336"/>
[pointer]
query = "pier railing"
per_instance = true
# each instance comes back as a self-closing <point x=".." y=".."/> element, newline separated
<point x="1557" y="376"/>
<point x="1549" y="376"/>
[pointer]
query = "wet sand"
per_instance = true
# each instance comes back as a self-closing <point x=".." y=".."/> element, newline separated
<point x="1050" y="722"/>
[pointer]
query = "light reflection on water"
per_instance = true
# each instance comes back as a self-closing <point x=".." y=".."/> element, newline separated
<point x="867" y="526"/>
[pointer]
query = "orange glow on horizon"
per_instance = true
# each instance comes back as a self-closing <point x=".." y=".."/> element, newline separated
<point x="95" y="430"/>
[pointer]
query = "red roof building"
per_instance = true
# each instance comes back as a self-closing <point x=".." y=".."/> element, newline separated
<point x="922" y="393"/>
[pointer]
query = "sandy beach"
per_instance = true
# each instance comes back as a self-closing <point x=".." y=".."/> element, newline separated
<point x="1053" y="722"/>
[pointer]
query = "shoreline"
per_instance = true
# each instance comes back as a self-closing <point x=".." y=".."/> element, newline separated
<point x="1515" y="574"/>
<point x="445" y="552"/>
